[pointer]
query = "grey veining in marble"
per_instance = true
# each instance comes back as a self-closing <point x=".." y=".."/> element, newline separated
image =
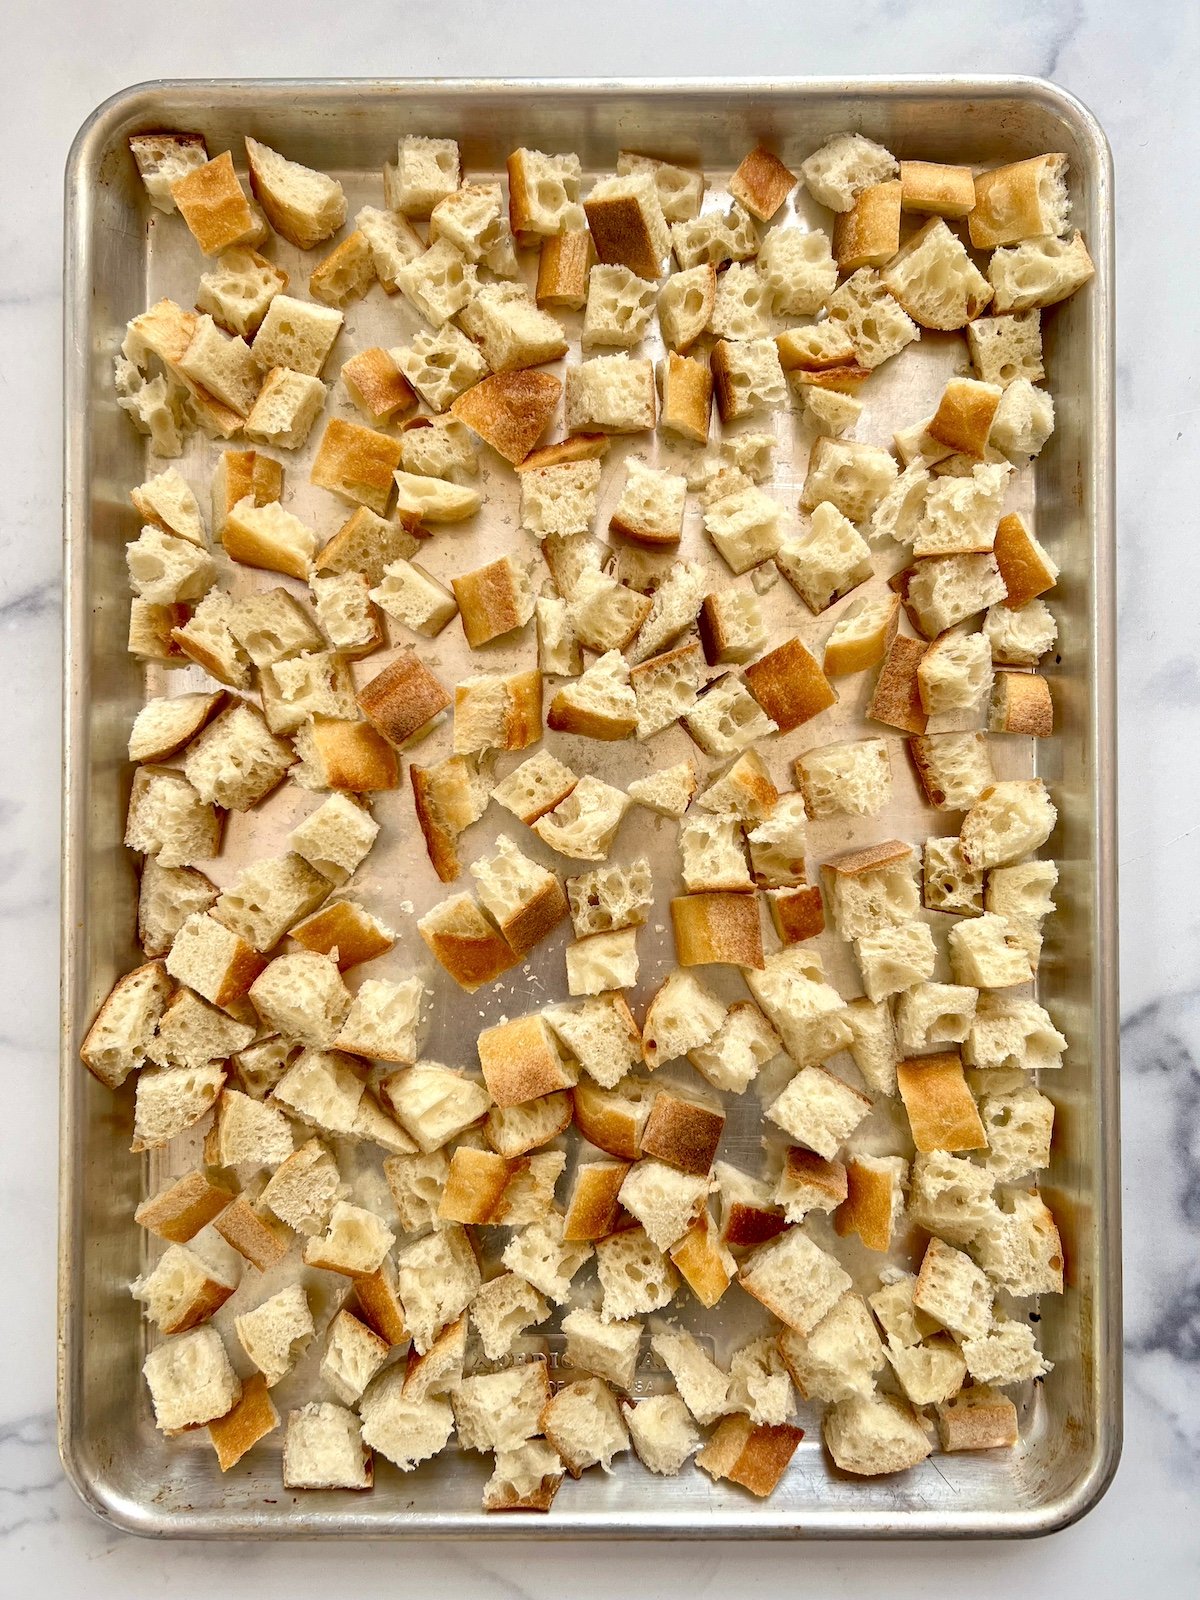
<point x="1136" y="68"/>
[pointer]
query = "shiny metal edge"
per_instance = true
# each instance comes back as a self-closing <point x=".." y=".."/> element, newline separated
<point x="760" y="1522"/>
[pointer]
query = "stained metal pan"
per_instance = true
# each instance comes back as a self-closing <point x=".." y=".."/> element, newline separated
<point x="120" y="256"/>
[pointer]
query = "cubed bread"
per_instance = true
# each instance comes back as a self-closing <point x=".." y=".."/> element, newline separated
<point x="731" y="626"/>
<point x="560" y="498"/>
<point x="839" y="1358"/>
<point x="510" y="410"/>
<point x="1021" y="635"/>
<point x="182" y="1291"/>
<point x="601" y="962"/>
<point x="977" y="1419"/>
<point x="584" y="824"/>
<point x="749" y="1215"/>
<point x="747" y="377"/>
<point x="954" y="768"/>
<point x="878" y="326"/>
<point x="383" y="1022"/>
<point x="1009" y="820"/>
<point x="963" y="420"/>
<point x="610" y="394"/>
<point x="440" y="364"/>
<point x="258" y="1238"/>
<point x="828" y="562"/>
<point x="535" y="787"/>
<point x="668" y="791"/>
<point x="497" y="712"/>
<point x="985" y="952"/>
<point x="807" y="1182"/>
<point x="713" y="854"/>
<point x="601" y="1034"/>
<point x="868" y="234"/>
<point x="722" y="928"/>
<point x="818" y="1110"/>
<point x="1023" y="200"/>
<point x="1021" y="703"/>
<point x="294" y="691"/>
<point x="936" y="189"/>
<point x="799" y="269"/>
<point x="303" y="1190"/>
<point x="162" y="158"/>
<point x="777" y="844"/>
<point x="665" y="687"/>
<point x="789" y="685"/>
<point x="852" y="477"/>
<point x="211" y="200"/>
<point x="932" y="276"/>
<point x="715" y="237"/>
<point x="191" y="1381"/>
<point x="610" y="897"/>
<point x="1039" y="272"/>
<point x="852" y="779"/>
<point x="117" y="1042"/>
<point x="872" y="1436"/>
<point x="1004" y="348"/>
<point x="804" y="1008"/>
<point x="166" y="501"/>
<point x="402" y="699"/>
<point x="894" y="958"/>
<point x="797" y="913"/>
<point x="941" y="1110"/>
<point x="463" y="940"/>
<point x="871" y="889"/>
<point x="843" y="166"/>
<point x="1006" y="1354"/>
<point x="599" y="704"/>
<point x="650" y="510"/>
<point x="896" y="698"/>
<point x="430" y="499"/>
<point x="521" y="1061"/>
<point x="795" y="1279"/>
<point x="949" y="884"/>
<point x="605" y="614"/>
<point x="166" y="570"/>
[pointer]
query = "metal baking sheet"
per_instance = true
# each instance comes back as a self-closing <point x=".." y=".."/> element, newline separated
<point x="120" y="257"/>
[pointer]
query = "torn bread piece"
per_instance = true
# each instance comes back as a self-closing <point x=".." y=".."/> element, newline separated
<point x="601" y="962"/>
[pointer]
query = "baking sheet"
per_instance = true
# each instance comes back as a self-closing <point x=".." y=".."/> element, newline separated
<point x="122" y="257"/>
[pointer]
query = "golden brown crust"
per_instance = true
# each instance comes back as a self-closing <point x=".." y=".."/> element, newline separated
<point x="1008" y="205"/>
<point x="935" y="189"/>
<point x="610" y="1120"/>
<point x="867" y="1208"/>
<point x="963" y="419"/>
<point x="799" y="352"/>
<point x="178" y="1212"/>
<point x="346" y="273"/>
<point x="790" y="685"/>
<point x="762" y="183"/>
<point x="941" y="1109"/>
<point x="563" y="265"/>
<point x="579" y="447"/>
<point x="538" y="917"/>
<point x="510" y="410"/>
<point x="687" y="387"/>
<point x="566" y="717"/>
<point x="754" y="1457"/>
<point x="214" y="205"/>
<point x="846" y="379"/>
<point x="255" y="549"/>
<point x="403" y="698"/>
<point x="869" y="233"/>
<point x="724" y="388"/>
<point x="717" y="928"/>
<point x="683" y="1133"/>
<point x="251" y="1419"/>
<point x="843" y="657"/>
<point x="621" y="236"/>
<point x="807" y="1168"/>
<point x="377" y="384"/>
<point x="354" y="759"/>
<point x="489" y="602"/>
<point x="852" y="863"/>
<point x="701" y="1262"/>
<point x="1021" y="561"/>
<point x="356" y="462"/>
<point x="524" y="724"/>
<point x="977" y="1419"/>
<point x="379" y="1305"/>
<point x="346" y="928"/>
<point x="593" y="1208"/>
<point x="1021" y="703"/>
<point x="440" y="841"/>
<point x="475" y="1185"/>
<point x="521" y="1060"/>
<point x="472" y="951"/>
<point x="797" y="913"/>
<point x="260" y="1239"/>
<point x="244" y="966"/>
<point x="896" y="699"/>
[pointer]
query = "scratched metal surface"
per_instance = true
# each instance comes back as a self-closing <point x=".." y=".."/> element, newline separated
<point x="123" y="257"/>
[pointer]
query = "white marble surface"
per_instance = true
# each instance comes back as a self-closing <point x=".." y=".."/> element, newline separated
<point x="1138" y="76"/>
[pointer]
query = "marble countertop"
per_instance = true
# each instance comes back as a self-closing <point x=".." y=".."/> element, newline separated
<point x="1138" y="77"/>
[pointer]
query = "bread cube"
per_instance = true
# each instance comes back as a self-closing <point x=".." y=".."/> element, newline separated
<point x="715" y="237"/>
<point x="777" y="844"/>
<point x="934" y="279"/>
<point x="895" y="958"/>
<point x="949" y="884"/>
<point x="731" y="626"/>
<point x="717" y="928"/>
<point x="789" y="685"/>
<point x="829" y="561"/>
<point x="878" y="326"/>
<point x="747" y="377"/>
<point x="1039" y="272"/>
<point x="1023" y="200"/>
<point x="610" y="394"/>
<point x="941" y="1111"/>
<point x="218" y="965"/>
<point x="182" y="1291"/>
<point x="191" y="1381"/>
<point x="853" y="779"/>
<point x="1004" y="348"/>
<point x="212" y="202"/>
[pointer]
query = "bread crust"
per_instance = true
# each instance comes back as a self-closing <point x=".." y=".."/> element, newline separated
<point x="797" y="913"/>
<point x="687" y="387"/>
<point x="719" y="928"/>
<point x="440" y="842"/>
<point x="402" y="699"/>
<point x="941" y="1109"/>
<point x="344" y="927"/>
<point x="977" y="1419"/>
<point x="867" y="1208"/>
<point x="239" y="1430"/>
<point x="754" y="1457"/>
<point x="1008" y="203"/>
<point x="521" y="1061"/>
<point x="963" y="419"/>
<point x="178" y="1212"/>
<point x="489" y="601"/>
<point x="762" y="183"/>
<point x="1023" y="563"/>
<point x="579" y="447"/>
<point x="563" y="265"/>
<point x="357" y="463"/>
<point x="376" y="384"/>
<point x="896" y="698"/>
<point x="565" y="717"/>
<point x="214" y="205"/>
<point x="829" y="1178"/>
<point x="593" y="1210"/>
<point x="510" y="410"/>
<point x="790" y="685"/>
<point x="935" y="189"/>
<point x="474" y="1186"/>
<point x="379" y="1305"/>
<point x="613" y="1119"/>
<point x="354" y="758"/>
<point x="262" y="1241"/>
<point x="683" y="1133"/>
<point x="474" y="951"/>
<point x="1021" y="703"/>
<point x="868" y="234"/>
<point x="843" y="657"/>
<point x="621" y="236"/>
<point x="701" y="1261"/>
